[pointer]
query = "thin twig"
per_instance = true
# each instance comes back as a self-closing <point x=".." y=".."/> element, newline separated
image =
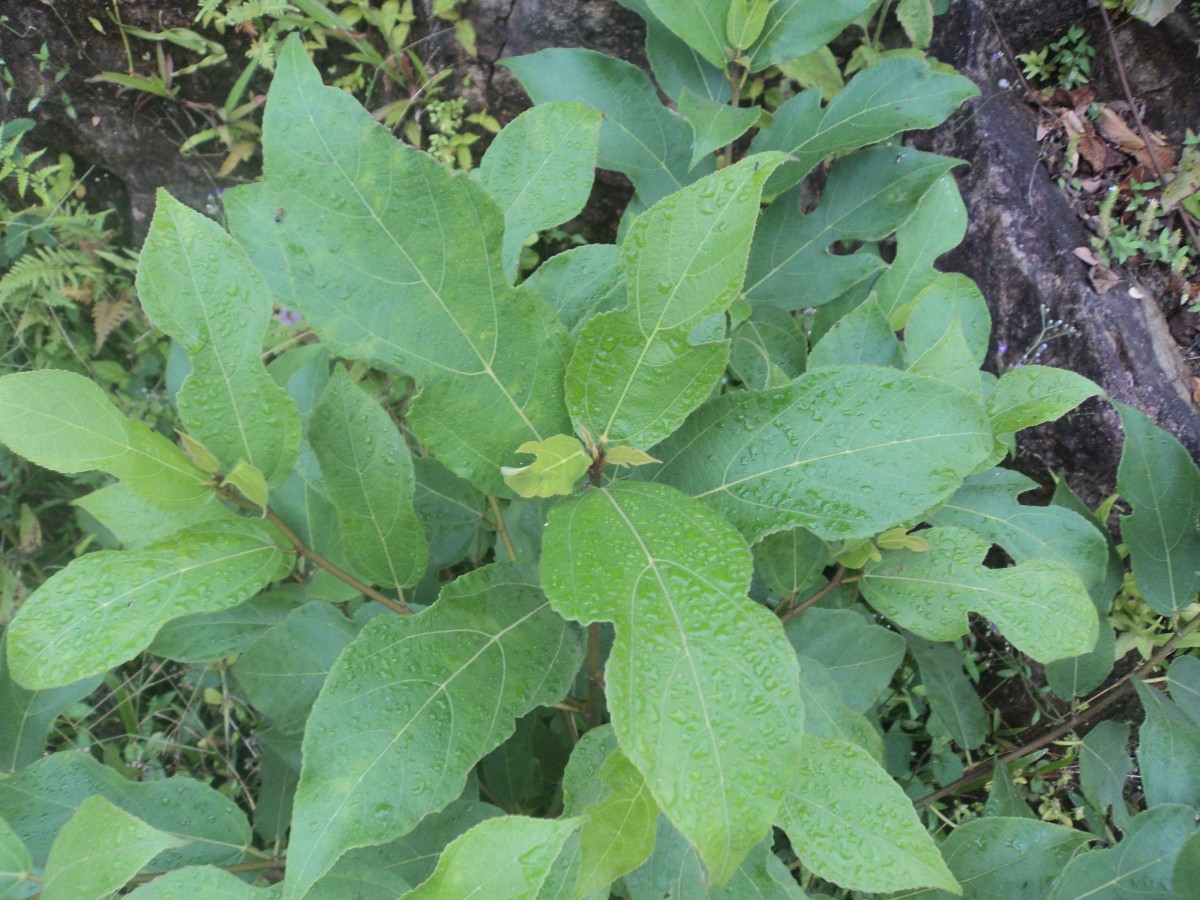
<point x="1103" y="699"/>
<point x="1137" y="120"/>
<point x="820" y="595"/>
<point x="595" y="676"/>
<point x="502" y="528"/>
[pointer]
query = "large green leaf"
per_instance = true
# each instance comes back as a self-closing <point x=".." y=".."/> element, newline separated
<point x="701" y="683"/>
<point x="897" y="94"/>
<point x="640" y="137"/>
<point x="635" y="373"/>
<point x="1041" y="606"/>
<point x="581" y="282"/>
<point x="952" y="698"/>
<point x="395" y="260"/>
<point x="1010" y="857"/>
<point x="509" y="856"/>
<point x="136" y="521"/>
<point x="104" y="608"/>
<point x="936" y="306"/>
<point x="845" y="452"/>
<point x="677" y="67"/>
<point x="540" y="170"/>
<point x="26" y="716"/>
<point x="1030" y="395"/>
<point x="769" y="349"/>
<point x="208" y="882"/>
<point x="67" y="423"/>
<point x="1104" y="770"/>
<point x="399" y="721"/>
<point x="1168" y="751"/>
<point x="851" y="824"/>
<point x="796" y="27"/>
<point x="369" y="474"/>
<point x="208" y="637"/>
<point x="16" y="866"/>
<point x="827" y="716"/>
<point x="38" y="800"/>
<point x="197" y="285"/>
<point x="868" y="196"/>
<point x="861" y="656"/>
<point x="700" y="25"/>
<point x="99" y="849"/>
<point x="1161" y="484"/>
<point x="1139" y="866"/>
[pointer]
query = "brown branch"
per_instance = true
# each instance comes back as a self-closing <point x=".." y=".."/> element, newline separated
<point x="820" y="595"/>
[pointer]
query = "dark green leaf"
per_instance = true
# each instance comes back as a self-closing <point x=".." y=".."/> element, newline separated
<point x="1030" y="395"/>
<point x="862" y="337"/>
<point x="208" y="637"/>
<point x="769" y="349"/>
<point x="1010" y="857"/>
<point x="796" y="27"/>
<point x="861" y="656"/>
<point x="1004" y="798"/>
<point x="208" y="882"/>
<point x="1104" y="770"/>
<point x="1168" y="750"/>
<point x="581" y="283"/>
<point x="951" y="695"/>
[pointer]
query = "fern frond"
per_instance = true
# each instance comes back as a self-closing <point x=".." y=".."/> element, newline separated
<point x="108" y="315"/>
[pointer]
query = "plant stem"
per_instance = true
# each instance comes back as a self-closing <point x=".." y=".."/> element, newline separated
<point x="820" y="595"/>
<point x="502" y="528"/>
<point x="595" y="687"/>
<point x="316" y="558"/>
<point x="1105" y="698"/>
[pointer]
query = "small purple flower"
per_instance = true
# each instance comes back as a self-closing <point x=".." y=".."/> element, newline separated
<point x="289" y="317"/>
<point x="1002" y="349"/>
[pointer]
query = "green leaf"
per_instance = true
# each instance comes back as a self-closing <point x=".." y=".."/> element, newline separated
<point x="398" y="723"/>
<point x="38" y="800"/>
<point x="99" y="849"/>
<point x="861" y="337"/>
<point x="618" y="819"/>
<point x="797" y="27"/>
<point x="1004" y="798"/>
<point x="951" y="360"/>
<point x="1139" y="866"/>
<point x="916" y="17"/>
<point x="1161" y="484"/>
<point x="509" y="856"/>
<point x="635" y="373"/>
<point x="559" y="462"/>
<point x="449" y="508"/>
<point x="690" y="648"/>
<point x="625" y="457"/>
<point x="67" y="423"/>
<point x="581" y="283"/>
<point x="104" y="608"/>
<point x="939" y="224"/>
<point x="676" y="66"/>
<point x="639" y="137"/>
<point x="951" y="695"/>
<point x="369" y="474"/>
<point x="868" y="196"/>
<point x="1168" y="751"/>
<point x="851" y="824"/>
<point x="987" y="504"/>
<point x="715" y="125"/>
<point x="136" y="521"/>
<point x="791" y="560"/>
<point x="861" y="656"/>
<point x="897" y="94"/>
<point x="745" y="21"/>
<point x="26" y="716"/>
<point x="16" y="865"/>
<point x="250" y="482"/>
<point x="1104" y="770"/>
<point x="1010" y="857"/>
<point x="817" y="69"/>
<point x="1184" y="680"/>
<point x="948" y="297"/>
<point x="699" y="25"/>
<point x="540" y="170"/>
<point x="1186" y="871"/>
<point x="769" y="349"/>
<point x="845" y="452"/>
<point x="208" y="637"/>
<point x="826" y="716"/>
<point x="356" y="253"/>
<point x="1041" y="606"/>
<point x="197" y="285"/>
<point x="208" y="882"/>
<point x="281" y="683"/>
<point x="1030" y="395"/>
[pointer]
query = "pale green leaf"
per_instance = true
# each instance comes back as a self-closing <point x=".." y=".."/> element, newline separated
<point x="700" y="25"/>
<point x="38" y="800"/>
<point x="208" y="637"/>
<point x="951" y="360"/>
<point x="676" y="66"/>
<point x="948" y="297"/>
<point x="1139" y="866"/>
<point x="897" y="94"/>
<point x="1168" y="752"/>
<point x="826" y="716"/>
<point x="1161" y="484"/>
<point x="99" y="849"/>
<point x="639" y="137"/>
<point x="627" y="456"/>
<point x="509" y="856"/>
<point x="197" y="285"/>
<point x="67" y="423"/>
<point x="104" y="608"/>
<point x="1104" y="770"/>
<point x="916" y="17"/>
<point x="26" y="716"/>
<point x="862" y="337"/>
<point x="861" y="656"/>
<point x="1005" y="799"/>
<point x="868" y="196"/>
<point x="195" y="882"/>
<point x="249" y="482"/>
<point x="745" y="22"/>
<point x="559" y="462"/>
<point x="635" y="373"/>
<point x="851" y="824"/>
<point x="845" y="452"/>
<point x="1040" y="606"/>
<point x="817" y="69"/>
<point x="938" y="225"/>
<point x="540" y="170"/>
<point x="357" y="253"/>
<point x="769" y="349"/>
<point x="369" y="474"/>
<point x="715" y="125"/>
<point x="1010" y="857"/>
<point x="581" y="282"/>
<point x="701" y="683"/>
<point x="399" y="724"/>
<point x="281" y="683"/>
<point x="1031" y="395"/>
<point x="796" y="27"/>
<point x="136" y="521"/>
<point x="16" y="866"/>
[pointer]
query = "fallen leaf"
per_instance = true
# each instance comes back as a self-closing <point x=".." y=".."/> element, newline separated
<point x="1113" y="127"/>
<point x="1087" y="255"/>
<point x="1103" y="279"/>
